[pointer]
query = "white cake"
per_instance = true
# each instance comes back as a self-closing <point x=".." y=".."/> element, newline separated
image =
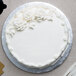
<point x="37" y="35"/>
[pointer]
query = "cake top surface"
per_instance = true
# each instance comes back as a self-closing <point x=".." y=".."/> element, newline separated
<point x="37" y="34"/>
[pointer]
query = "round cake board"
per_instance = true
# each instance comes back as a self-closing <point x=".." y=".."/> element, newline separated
<point x="35" y="70"/>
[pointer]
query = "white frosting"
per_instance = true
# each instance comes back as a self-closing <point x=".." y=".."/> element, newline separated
<point x="37" y="35"/>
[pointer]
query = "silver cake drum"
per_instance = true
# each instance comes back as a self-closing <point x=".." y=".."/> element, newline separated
<point x="36" y="70"/>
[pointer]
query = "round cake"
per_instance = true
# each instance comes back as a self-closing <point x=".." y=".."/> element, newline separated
<point x="37" y="35"/>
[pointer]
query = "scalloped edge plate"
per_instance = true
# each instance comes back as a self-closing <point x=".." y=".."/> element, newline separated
<point x="71" y="71"/>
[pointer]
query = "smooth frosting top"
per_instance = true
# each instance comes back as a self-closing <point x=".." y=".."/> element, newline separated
<point x="37" y="34"/>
